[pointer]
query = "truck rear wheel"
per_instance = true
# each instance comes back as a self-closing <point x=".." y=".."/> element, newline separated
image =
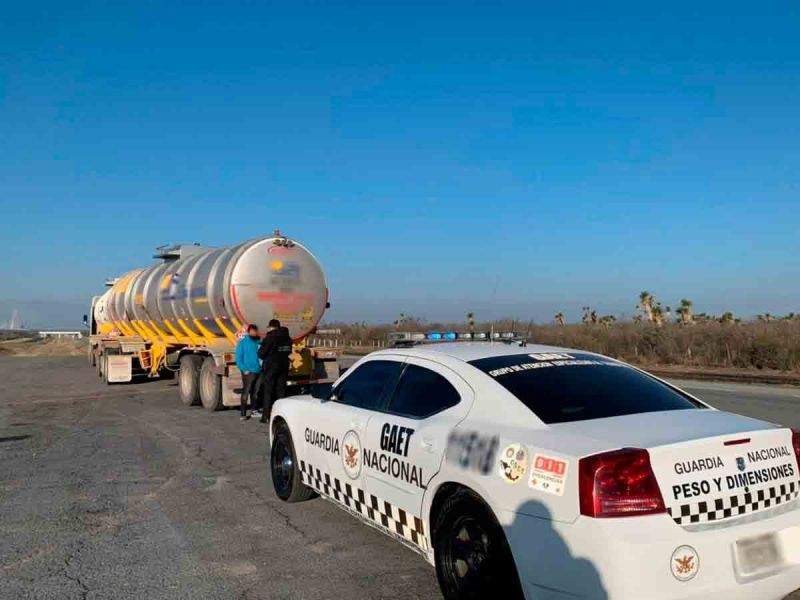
<point x="210" y="385"/>
<point x="188" y="377"/>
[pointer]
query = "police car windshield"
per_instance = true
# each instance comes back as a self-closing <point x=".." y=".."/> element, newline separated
<point x="564" y="387"/>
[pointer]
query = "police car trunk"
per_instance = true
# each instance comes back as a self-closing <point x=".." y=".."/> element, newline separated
<point x="671" y="499"/>
<point x="729" y="486"/>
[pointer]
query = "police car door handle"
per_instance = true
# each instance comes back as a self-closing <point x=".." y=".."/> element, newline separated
<point x="356" y="424"/>
<point x="428" y="445"/>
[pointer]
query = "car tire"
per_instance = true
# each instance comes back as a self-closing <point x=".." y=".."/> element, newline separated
<point x="188" y="376"/>
<point x="473" y="558"/>
<point x="286" y="478"/>
<point x="210" y="385"/>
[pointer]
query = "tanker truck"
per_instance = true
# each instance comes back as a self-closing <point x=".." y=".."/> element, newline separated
<point x="184" y="315"/>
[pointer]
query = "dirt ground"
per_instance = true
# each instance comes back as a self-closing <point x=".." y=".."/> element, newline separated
<point x="44" y="347"/>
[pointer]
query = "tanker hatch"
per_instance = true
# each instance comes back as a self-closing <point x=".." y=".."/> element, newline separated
<point x="172" y="253"/>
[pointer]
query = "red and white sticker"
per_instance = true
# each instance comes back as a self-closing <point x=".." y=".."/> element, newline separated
<point x="548" y="474"/>
<point x="242" y="332"/>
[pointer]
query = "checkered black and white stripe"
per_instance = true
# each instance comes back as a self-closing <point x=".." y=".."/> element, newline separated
<point x="734" y="506"/>
<point x="378" y="512"/>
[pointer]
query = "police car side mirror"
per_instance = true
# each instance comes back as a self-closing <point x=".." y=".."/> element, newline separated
<point x="322" y="391"/>
<point x="333" y="395"/>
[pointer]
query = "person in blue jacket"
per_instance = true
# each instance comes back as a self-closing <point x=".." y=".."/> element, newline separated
<point x="250" y="366"/>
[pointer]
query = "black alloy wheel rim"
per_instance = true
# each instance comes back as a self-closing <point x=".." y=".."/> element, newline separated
<point x="466" y="552"/>
<point x="282" y="467"/>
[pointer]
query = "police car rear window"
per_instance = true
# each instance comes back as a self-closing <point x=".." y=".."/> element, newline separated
<point x="564" y="387"/>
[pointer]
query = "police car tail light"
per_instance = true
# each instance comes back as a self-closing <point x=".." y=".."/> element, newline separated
<point x="796" y="444"/>
<point x="619" y="484"/>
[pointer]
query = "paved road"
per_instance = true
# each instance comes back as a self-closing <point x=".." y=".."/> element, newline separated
<point x="775" y="403"/>
<point x="121" y="492"/>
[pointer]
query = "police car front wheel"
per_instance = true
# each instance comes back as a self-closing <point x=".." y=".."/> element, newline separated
<point x="285" y="471"/>
<point x="473" y="559"/>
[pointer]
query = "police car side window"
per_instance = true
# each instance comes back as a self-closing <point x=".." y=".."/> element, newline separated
<point x="422" y="393"/>
<point x="369" y="384"/>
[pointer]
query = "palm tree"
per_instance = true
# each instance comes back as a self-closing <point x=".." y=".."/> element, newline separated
<point x="589" y="316"/>
<point x="658" y="314"/>
<point x="646" y="304"/>
<point x="685" y="312"/>
<point x="560" y="318"/>
<point x="607" y="320"/>
<point x="471" y="322"/>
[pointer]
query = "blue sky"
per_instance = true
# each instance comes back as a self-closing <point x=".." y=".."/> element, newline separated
<point x="506" y="158"/>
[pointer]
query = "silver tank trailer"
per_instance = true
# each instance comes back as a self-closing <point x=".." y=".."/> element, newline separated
<point x="253" y="282"/>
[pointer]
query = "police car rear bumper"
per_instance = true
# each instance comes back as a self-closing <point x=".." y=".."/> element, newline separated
<point x="631" y="558"/>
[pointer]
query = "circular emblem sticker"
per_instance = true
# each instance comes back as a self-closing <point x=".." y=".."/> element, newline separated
<point x="351" y="454"/>
<point x="513" y="463"/>
<point x="685" y="563"/>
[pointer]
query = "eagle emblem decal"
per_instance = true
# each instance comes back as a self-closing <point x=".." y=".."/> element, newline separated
<point x="685" y="564"/>
<point x="351" y="455"/>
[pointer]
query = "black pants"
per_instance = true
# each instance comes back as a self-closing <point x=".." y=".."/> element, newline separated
<point x="251" y="386"/>
<point x="273" y="381"/>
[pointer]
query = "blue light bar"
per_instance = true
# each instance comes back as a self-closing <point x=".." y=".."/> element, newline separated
<point x="450" y="335"/>
<point x="464" y="336"/>
<point x="434" y="336"/>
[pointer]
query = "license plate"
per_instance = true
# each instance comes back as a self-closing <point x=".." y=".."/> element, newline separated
<point x="758" y="554"/>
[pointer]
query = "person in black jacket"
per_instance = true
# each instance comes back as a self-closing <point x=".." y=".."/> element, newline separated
<point x="274" y="352"/>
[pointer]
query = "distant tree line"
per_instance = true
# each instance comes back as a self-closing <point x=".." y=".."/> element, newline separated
<point x="656" y="335"/>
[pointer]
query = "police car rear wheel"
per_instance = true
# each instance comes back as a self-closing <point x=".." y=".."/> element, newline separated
<point x="286" y="477"/>
<point x="473" y="559"/>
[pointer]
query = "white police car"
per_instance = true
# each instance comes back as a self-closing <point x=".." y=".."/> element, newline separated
<point x="547" y="473"/>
